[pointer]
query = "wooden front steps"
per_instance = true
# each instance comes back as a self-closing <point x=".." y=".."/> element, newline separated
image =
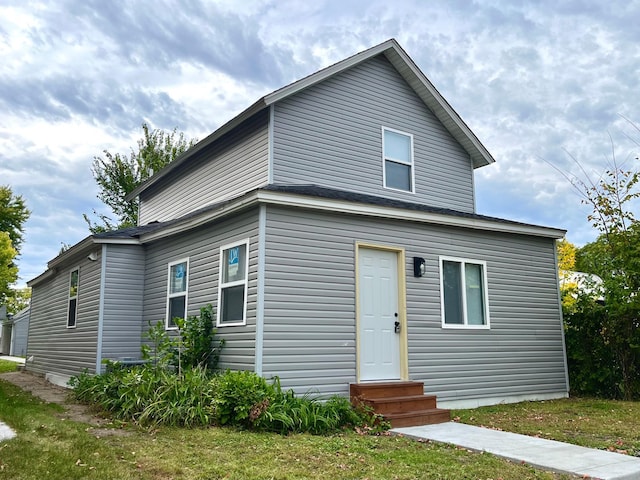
<point x="403" y="404"/>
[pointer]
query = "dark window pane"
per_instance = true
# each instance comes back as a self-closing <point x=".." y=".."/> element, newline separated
<point x="232" y="304"/>
<point x="398" y="175"/>
<point x="176" y="309"/>
<point x="71" y="319"/>
<point x="452" y="285"/>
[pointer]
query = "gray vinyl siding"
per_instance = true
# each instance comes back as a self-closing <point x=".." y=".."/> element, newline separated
<point x="123" y="293"/>
<point x="310" y="327"/>
<point x="54" y="347"/>
<point x="202" y="247"/>
<point x="19" y="332"/>
<point x="330" y="135"/>
<point x="236" y="164"/>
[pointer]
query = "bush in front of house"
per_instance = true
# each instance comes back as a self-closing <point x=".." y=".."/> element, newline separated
<point x="291" y="413"/>
<point x="177" y="386"/>
<point x="148" y="396"/>
<point x="195" y="345"/>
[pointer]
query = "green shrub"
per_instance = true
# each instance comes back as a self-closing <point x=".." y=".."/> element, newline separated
<point x="148" y="395"/>
<point x="199" y="346"/>
<point x="241" y="397"/>
<point x="195" y="345"/>
<point x="593" y="370"/>
<point x="180" y="400"/>
<point x="290" y="413"/>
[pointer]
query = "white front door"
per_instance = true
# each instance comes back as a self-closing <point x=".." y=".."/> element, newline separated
<point x="379" y="344"/>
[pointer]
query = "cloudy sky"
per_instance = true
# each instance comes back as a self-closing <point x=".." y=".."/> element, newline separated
<point x="539" y="82"/>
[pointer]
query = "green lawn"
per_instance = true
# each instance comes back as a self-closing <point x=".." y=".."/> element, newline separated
<point x="7" y="366"/>
<point x="49" y="447"/>
<point x="604" y="424"/>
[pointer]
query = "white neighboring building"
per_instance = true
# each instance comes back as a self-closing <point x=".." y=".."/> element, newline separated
<point x="588" y="283"/>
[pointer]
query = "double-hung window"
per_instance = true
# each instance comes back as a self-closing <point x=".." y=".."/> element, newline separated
<point x="398" y="160"/>
<point x="72" y="308"/>
<point x="463" y="286"/>
<point x="178" y="284"/>
<point x="232" y="284"/>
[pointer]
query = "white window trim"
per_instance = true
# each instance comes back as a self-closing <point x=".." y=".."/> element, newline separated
<point x="395" y="160"/>
<point x="244" y="282"/>
<point x="69" y="297"/>
<point x="174" y="295"/>
<point x="485" y="292"/>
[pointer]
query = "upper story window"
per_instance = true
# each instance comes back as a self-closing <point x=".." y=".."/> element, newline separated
<point x="72" y="308"/>
<point x="463" y="286"/>
<point x="177" y="288"/>
<point x="397" y="150"/>
<point x="232" y="284"/>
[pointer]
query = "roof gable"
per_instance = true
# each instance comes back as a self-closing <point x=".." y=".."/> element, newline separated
<point x="479" y="155"/>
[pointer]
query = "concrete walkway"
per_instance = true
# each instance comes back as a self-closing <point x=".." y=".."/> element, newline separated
<point x="5" y="432"/>
<point x="12" y="359"/>
<point x="546" y="454"/>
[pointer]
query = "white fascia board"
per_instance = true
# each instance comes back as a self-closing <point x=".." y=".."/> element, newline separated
<point x="41" y="278"/>
<point x="117" y="241"/>
<point x="327" y="72"/>
<point x="73" y="250"/>
<point x="443" y="110"/>
<point x="342" y="206"/>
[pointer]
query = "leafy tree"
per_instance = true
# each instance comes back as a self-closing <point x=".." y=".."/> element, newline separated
<point x="117" y="175"/>
<point x="566" y="255"/>
<point x="8" y="269"/>
<point x="18" y="300"/>
<point x="566" y="265"/>
<point x="13" y="215"/>
<point x="615" y="258"/>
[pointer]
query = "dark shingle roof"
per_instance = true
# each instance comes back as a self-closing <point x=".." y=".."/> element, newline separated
<point x="331" y="193"/>
<point x="310" y="191"/>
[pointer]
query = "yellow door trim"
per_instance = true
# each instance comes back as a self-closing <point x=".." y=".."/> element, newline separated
<point x="402" y="305"/>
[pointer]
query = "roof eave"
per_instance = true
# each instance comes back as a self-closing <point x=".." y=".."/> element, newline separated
<point x="198" y="147"/>
<point x="366" y="209"/>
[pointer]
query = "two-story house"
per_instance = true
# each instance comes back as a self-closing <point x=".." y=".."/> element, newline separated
<point x="332" y="226"/>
